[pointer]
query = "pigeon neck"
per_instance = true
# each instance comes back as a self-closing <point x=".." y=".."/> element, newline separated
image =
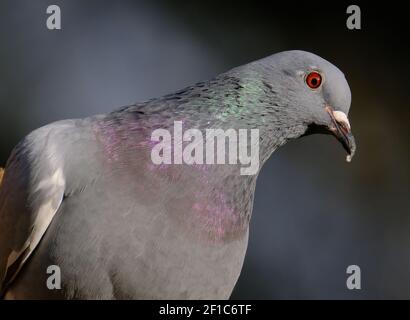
<point x="221" y="198"/>
<point x="238" y="100"/>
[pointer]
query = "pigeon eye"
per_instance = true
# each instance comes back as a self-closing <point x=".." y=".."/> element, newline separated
<point x="314" y="80"/>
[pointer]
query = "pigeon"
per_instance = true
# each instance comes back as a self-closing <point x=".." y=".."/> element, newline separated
<point x="84" y="196"/>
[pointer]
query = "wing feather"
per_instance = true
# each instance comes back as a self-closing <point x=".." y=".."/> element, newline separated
<point x="30" y="194"/>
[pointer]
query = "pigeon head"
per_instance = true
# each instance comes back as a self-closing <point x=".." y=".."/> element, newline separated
<point x="308" y="91"/>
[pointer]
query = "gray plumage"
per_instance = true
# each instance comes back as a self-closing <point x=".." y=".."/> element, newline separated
<point x="84" y="194"/>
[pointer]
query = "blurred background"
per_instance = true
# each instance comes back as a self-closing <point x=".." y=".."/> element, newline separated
<point x="314" y="214"/>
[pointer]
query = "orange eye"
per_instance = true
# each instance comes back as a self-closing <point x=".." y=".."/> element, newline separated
<point x="314" y="80"/>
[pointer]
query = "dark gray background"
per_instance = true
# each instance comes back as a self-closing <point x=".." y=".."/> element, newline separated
<point x="314" y="214"/>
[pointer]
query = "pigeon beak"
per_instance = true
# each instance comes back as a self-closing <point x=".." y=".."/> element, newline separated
<point x="340" y="127"/>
